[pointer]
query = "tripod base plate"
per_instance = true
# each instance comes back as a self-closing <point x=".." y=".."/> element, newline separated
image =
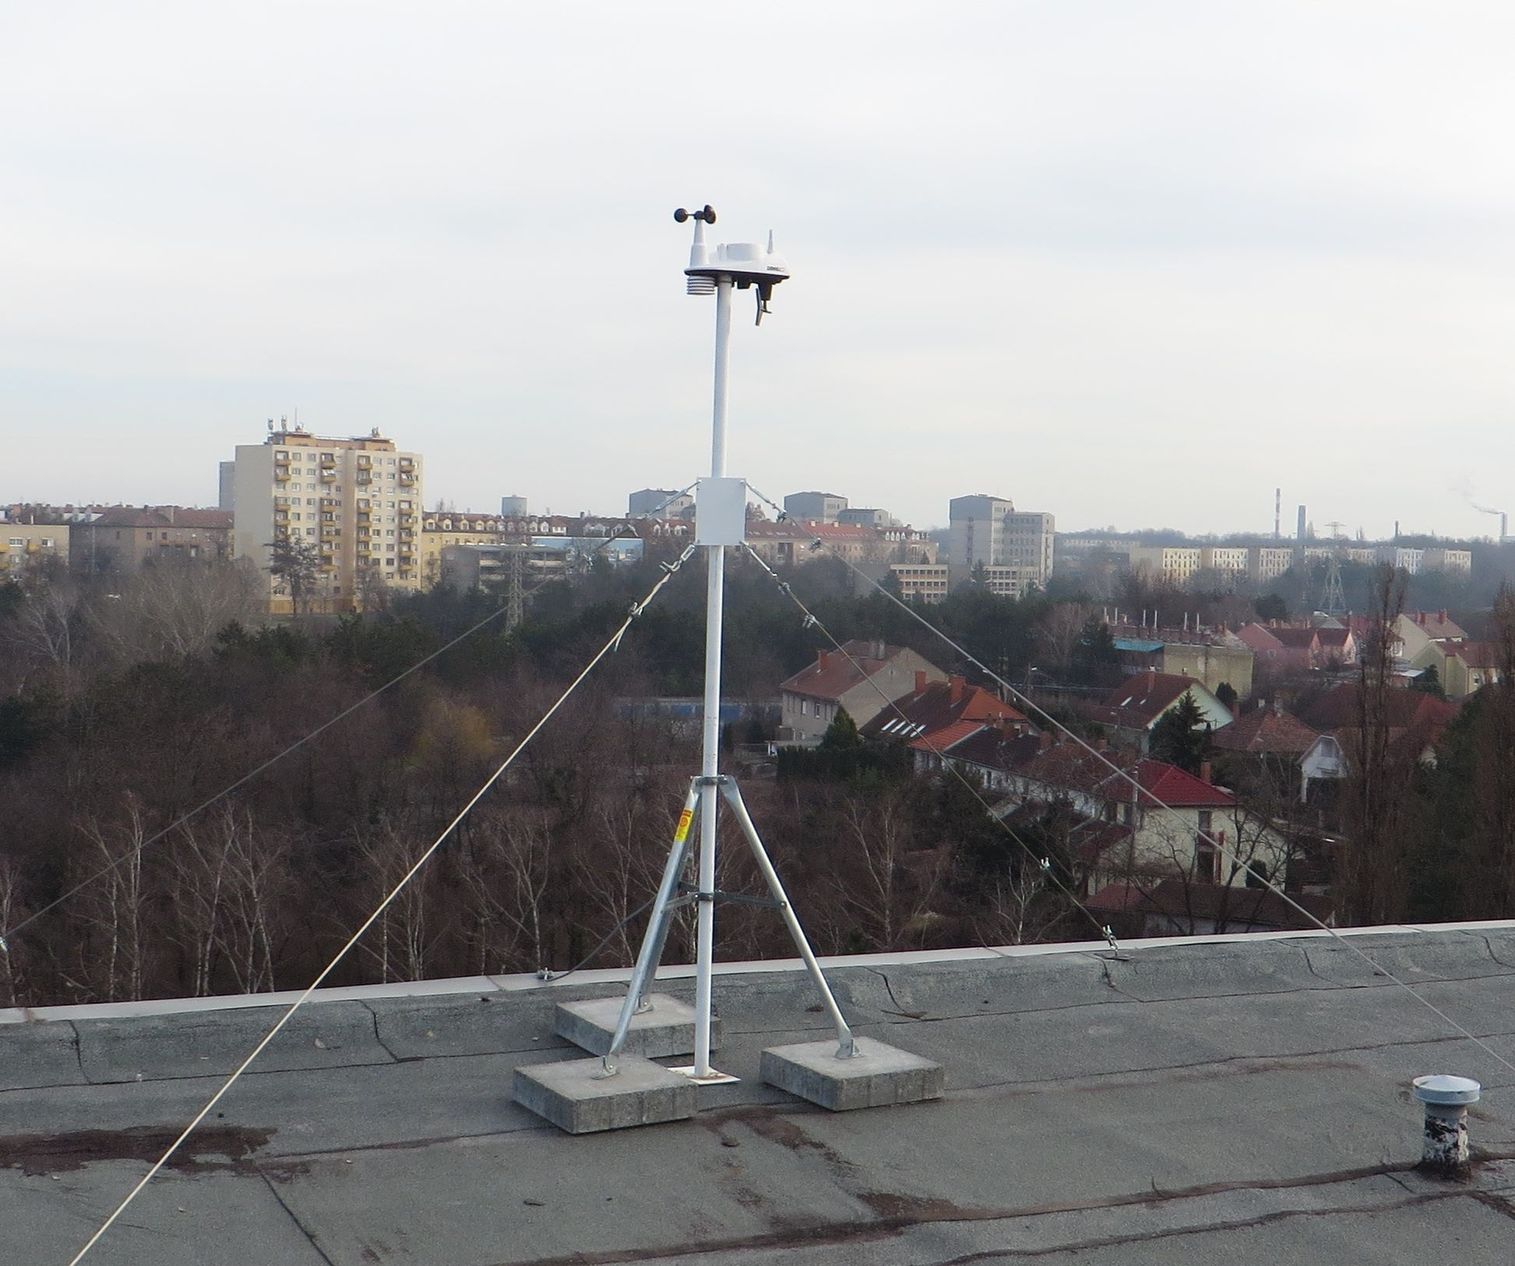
<point x="577" y="1097"/>
<point x="877" y="1076"/>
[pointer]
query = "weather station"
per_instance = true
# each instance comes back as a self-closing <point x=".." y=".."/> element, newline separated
<point x="621" y="1084"/>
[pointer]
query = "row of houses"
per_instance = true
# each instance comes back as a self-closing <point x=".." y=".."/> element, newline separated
<point x="1151" y="846"/>
<point x="1126" y="817"/>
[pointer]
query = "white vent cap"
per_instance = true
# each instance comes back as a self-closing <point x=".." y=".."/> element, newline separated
<point x="1447" y="1091"/>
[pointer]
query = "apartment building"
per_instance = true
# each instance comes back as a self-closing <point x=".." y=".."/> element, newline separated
<point x="988" y="531"/>
<point x="1268" y="562"/>
<point x="924" y="581"/>
<point x="818" y="507"/>
<point x="861" y="516"/>
<point x="1440" y="559"/>
<point x="119" y="540"/>
<point x="1174" y="563"/>
<point x="1408" y="560"/>
<point x="1230" y="561"/>
<point x="662" y="502"/>
<point x="442" y="528"/>
<point x="25" y="545"/>
<point x="356" y="502"/>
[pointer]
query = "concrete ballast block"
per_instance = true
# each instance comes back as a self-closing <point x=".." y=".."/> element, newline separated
<point x="577" y="1096"/>
<point x="667" y="1028"/>
<point x="877" y="1076"/>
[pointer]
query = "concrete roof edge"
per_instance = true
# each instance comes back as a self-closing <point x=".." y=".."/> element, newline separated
<point x="527" y="982"/>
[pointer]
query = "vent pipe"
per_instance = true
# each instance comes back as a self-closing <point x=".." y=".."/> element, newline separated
<point x="1446" y="1101"/>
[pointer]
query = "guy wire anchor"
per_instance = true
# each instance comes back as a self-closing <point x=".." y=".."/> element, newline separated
<point x="1115" y="956"/>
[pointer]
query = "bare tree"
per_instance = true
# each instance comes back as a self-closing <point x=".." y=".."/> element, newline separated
<point x="401" y="942"/>
<point x="174" y="609"/>
<point x="12" y="911"/>
<point x="1059" y="631"/>
<point x="44" y="632"/>
<point x="621" y="867"/>
<point x="1373" y="876"/>
<point x="229" y="884"/>
<point x="507" y="880"/>
<point x="111" y="952"/>
<point x="1489" y="884"/>
<point x="1016" y="913"/>
<point x="893" y="885"/>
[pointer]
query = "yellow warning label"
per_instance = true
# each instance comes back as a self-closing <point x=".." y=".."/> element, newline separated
<point x="682" y="834"/>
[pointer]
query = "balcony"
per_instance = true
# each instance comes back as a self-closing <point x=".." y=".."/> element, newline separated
<point x="328" y="475"/>
<point x="406" y="478"/>
<point x="407" y="463"/>
<point x="364" y="477"/>
<point x="281" y="474"/>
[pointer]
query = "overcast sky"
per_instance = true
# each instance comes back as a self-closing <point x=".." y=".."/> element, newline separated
<point x="1134" y="264"/>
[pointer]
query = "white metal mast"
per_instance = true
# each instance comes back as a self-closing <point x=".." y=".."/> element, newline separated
<point x="720" y="522"/>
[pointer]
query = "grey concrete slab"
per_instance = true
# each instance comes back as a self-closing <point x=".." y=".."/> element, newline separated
<point x="44" y="1054"/>
<point x="206" y="1216"/>
<point x="939" y="1231"/>
<point x="1199" y="1098"/>
<point x="579" y="1097"/>
<point x="1117" y="1138"/>
<point x="1215" y="970"/>
<point x="876" y="1075"/>
<point x="543" y="1196"/>
<point x="940" y="991"/>
<point x="467" y="1024"/>
<point x="665" y="1028"/>
<point x="1452" y="956"/>
<point x="206" y="1044"/>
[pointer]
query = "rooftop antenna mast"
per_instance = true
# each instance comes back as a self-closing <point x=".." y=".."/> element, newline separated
<point x="634" y="1091"/>
<point x="720" y="522"/>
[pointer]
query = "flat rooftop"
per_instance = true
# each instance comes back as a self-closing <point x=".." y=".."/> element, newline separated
<point x="1213" y="1099"/>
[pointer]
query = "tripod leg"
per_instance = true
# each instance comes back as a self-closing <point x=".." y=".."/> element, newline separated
<point x="846" y="1044"/>
<point x="657" y="930"/>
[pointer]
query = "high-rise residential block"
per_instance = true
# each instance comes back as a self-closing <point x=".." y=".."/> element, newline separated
<point x="989" y="532"/>
<point x="354" y="502"/>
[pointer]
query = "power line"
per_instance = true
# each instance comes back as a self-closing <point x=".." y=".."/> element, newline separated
<point x="612" y="644"/>
<point x="9" y="933"/>
<point x="1218" y="844"/>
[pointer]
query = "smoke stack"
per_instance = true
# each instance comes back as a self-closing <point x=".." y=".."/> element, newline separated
<point x="1278" y="509"/>
<point x="1446" y="1101"/>
<point x="1299" y="529"/>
